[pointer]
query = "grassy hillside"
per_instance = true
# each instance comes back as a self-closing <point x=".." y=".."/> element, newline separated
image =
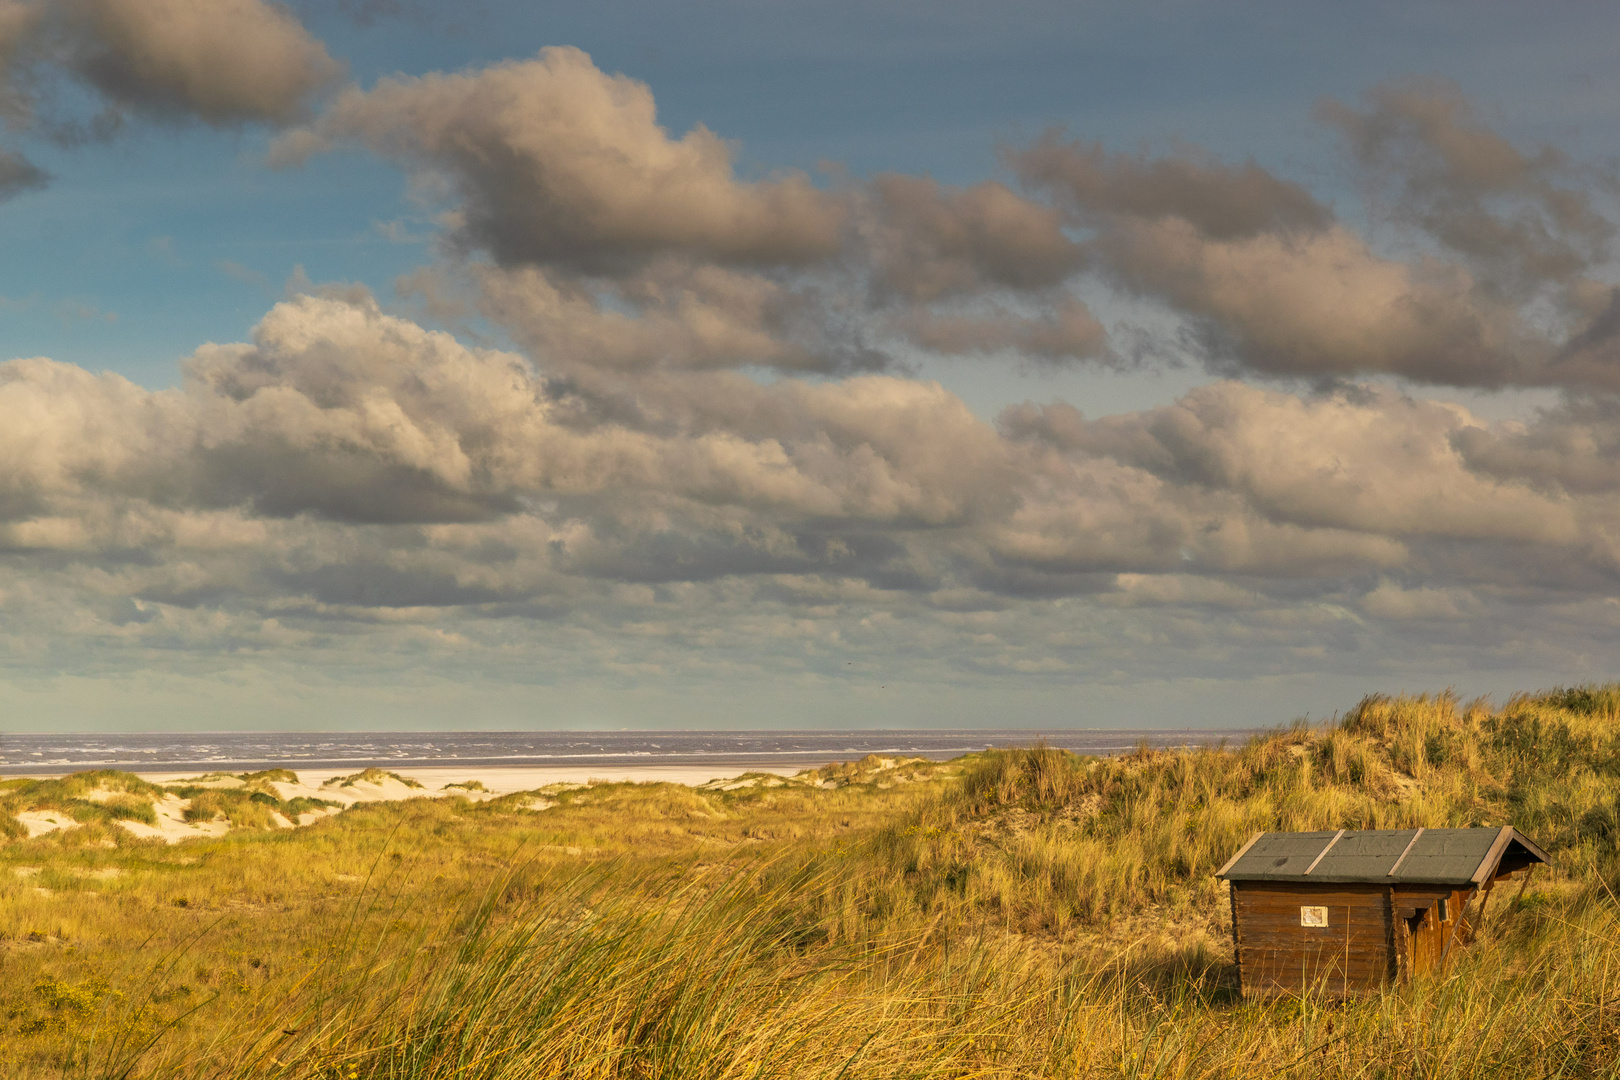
<point x="1017" y="913"/>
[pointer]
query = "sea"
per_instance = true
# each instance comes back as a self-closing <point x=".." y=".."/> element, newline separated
<point x="26" y="754"/>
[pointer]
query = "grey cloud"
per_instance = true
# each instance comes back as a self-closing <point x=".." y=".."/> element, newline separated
<point x="1221" y="201"/>
<point x="1243" y="479"/>
<point x="1391" y="601"/>
<point x="223" y="62"/>
<point x="19" y="27"/>
<point x="340" y="411"/>
<point x="1573" y="449"/>
<point x="622" y="253"/>
<point x="352" y="486"/>
<point x="281" y="480"/>
<point x="1326" y="304"/>
<point x="1591" y="358"/>
<point x="1063" y="330"/>
<point x="618" y="248"/>
<point x="1520" y="220"/>
<point x="18" y="174"/>
<point x="374" y="584"/>
<point x="1266" y="280"/>
<point x="349" y="457"/>
<point x="220" y="61"/>
<point x="1182" y="590"/>
<point x="349" y="483"/>
<point x="557" y="162"/>
<point x="608" y="273"/>
<point x="670" y="556"/>
<point x="929" y="241"/>
<point x="671" y="315"/>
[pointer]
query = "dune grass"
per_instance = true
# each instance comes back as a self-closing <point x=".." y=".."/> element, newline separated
<point x="1016" y="913"/>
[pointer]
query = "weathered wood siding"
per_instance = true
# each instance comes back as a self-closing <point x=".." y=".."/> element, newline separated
<point x="1428" y="934"/>
<point x="1354" y="953"/>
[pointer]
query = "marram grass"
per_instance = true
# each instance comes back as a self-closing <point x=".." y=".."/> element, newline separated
<point x="1020" y="913"/>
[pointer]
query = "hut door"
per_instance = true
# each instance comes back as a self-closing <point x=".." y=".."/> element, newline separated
<point x="1429" y="929"/>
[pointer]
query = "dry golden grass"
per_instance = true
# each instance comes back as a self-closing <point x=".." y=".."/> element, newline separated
<point x="1020" y="913"/>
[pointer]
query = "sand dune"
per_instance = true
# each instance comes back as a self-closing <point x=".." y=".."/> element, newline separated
<point x="326" y="795"/>
<point x="497" y="780"/>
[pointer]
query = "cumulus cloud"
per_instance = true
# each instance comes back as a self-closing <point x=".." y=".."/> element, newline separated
<point x="1573" y="449"/>
<point x="1522" y="220"/>
<point x="672" y="315"/>
<point x="1220" y="201"/>
<point x="627" y="249"/>
<point x="696" y="436"/>
<point x="1370" y="461"/>
<point x="617" y="245"/>
<point x="929" y="241"/>
<point x="1268" y="280"/>
<point x="349" y="479"/>
<point x="221" y="62"/>
<point x="342" y="412"/>
<point x="338" y="412"/>
<point x="555" y="161"/>
<point x="1324" y="305"/>
<point x="1390" y="601"/>
<point x="1134" y="590"/>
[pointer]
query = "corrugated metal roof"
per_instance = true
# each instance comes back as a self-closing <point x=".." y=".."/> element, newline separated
<point x="1384" y="856"/>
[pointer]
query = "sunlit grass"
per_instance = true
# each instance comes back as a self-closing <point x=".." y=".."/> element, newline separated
<point x="1019" y="913"/>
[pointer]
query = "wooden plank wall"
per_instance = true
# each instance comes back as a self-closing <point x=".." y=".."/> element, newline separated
<point x="1428" y="939"/>
<point x="1353" y="954"/>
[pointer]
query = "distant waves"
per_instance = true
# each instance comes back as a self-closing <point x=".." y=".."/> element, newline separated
<point x="24" y="754"/>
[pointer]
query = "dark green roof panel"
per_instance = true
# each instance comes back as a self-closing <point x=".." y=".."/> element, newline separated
<point x="1285" y="855"/>
<point x="1446" y="855"/>
<point x="1383" y="856"/>
<point x="1359" y="856"/>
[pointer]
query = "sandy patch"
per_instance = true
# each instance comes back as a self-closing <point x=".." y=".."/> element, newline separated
<point x="434" y="782"/>
<point x="388" y="789"/>
<point x="335" y="790"/>
<point x="172" y="825"/>
<point x="505" y="780"/>
<point x="498" y="780"/>
<point x="40" y="822"/>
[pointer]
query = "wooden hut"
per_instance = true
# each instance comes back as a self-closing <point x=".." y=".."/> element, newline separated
<point x="1342" y="913"/>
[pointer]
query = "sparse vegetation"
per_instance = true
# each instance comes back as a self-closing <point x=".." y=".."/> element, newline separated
<point x="1015" y="913"/>
<point x="373" y="776"/>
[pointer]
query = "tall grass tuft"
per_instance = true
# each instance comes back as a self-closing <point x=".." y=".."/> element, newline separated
<point x="1021" y="913"/>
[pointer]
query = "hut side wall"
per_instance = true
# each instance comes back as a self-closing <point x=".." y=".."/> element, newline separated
<point x="1353" y="954"/>
<point x="1426" y="934"/>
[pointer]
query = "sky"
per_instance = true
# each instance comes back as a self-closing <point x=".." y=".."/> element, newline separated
<point x="389" y="364"/>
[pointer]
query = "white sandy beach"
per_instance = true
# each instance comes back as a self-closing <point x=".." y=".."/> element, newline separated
<point x="503" y="780"/>
<point x="497" y="779"/>
<point x="339" y="789"/>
